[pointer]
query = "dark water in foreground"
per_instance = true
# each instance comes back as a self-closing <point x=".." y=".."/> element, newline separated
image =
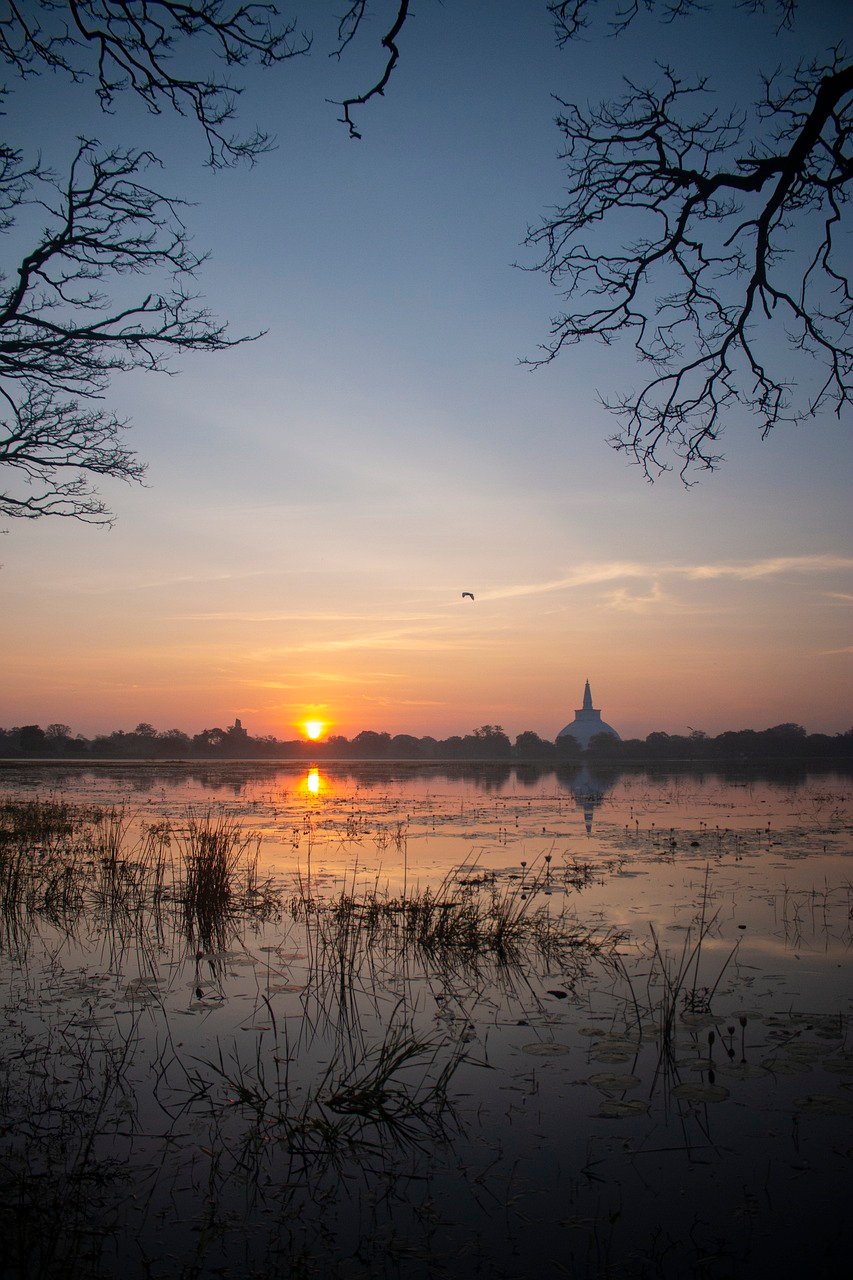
<point x="443" y="1024"/>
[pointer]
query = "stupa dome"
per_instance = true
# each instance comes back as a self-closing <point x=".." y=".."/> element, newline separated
<point x="587" y="723"/>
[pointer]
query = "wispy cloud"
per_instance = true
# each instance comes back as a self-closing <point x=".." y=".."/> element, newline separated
<point x="588" y="575"/>
<point x="427" y="640"/>
<point x="628" y="600"/>
<point x="769" y="567"/>
<point x="403" y="702"/>
<point x="173" y="580"/>
<point x="624" y="570"/>
<point x="256" y="616"/>
<point x="313" y="678"/>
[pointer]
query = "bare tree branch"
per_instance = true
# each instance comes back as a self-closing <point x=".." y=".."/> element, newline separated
<point x="346" y="30"/>
<point x="126" y="45"/>
<point x="572" y="17"/>
<point x="62" y="338"/>
<point x="733" y="269"/>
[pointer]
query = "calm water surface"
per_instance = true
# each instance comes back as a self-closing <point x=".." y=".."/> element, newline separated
<point x="604" y="1097"/>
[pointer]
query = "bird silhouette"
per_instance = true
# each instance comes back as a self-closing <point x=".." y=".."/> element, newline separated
<point x="469" y="594"/>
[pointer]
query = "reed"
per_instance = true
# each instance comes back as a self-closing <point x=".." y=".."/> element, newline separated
<point x="218" y="871"/>
<point x="395" y="1089"/>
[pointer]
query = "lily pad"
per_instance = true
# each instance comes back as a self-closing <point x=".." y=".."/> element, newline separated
<point x="841" y="1064"/>
<point x="545" y="1048"/>
<point x="700" y="1092"/>
<point x="698" y="1020"/>
<point x="610" y="1082"/>
<point x="611" y="1055"/>
<point x="786" y="1066"/>
<point x="615" y="1109"/>
<point x="743" y="1070"/>
<point x="826" y="1103"/>
<point x="805" y="1050"/>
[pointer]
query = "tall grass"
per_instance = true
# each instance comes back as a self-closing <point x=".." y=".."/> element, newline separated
<point x="462" y="922"/>
<point x="395" y="1089"/>
<point x="218" y="875"/>
<point x="42" y="867"/>
<point x="64" y="865"/>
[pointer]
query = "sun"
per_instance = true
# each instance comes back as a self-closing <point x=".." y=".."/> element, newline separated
<point x="313" y="728"/>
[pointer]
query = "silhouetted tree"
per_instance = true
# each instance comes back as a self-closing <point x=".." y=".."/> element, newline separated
<point x="529" y="745"/>
<point x="732" y="230"/>
<point x="787" y="732"/>
<point x="603" y="746"/>
<point x="31" y="738"/>
<point x="61" y="336"/>
<point x="210" y="741"/>
<point x="568" y="749"/>
<point x="369" y="744"/>
<point x="722" y="252"/>
<point x="489" y="742"/>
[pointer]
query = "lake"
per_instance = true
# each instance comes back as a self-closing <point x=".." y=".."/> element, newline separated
<point x="394" y="1020"/>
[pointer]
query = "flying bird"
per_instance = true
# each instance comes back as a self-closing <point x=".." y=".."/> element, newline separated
<point x="469" y="594"/>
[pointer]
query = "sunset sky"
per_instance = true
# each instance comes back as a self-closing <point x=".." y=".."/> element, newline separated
<point x="318" y="500"/>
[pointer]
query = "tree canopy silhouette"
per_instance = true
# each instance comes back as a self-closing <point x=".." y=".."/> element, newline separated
<point x="729" y="278"/>
<point x="62" y="334"/>
<point x="718" y="241"/>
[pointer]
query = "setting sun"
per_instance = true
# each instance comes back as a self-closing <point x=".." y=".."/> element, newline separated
<point x="313" y="728"/>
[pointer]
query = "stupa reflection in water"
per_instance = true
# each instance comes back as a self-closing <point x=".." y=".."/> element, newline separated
<point x="589" y="790"/>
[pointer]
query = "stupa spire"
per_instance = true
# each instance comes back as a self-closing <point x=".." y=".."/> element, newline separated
<point x="587" y="723"/>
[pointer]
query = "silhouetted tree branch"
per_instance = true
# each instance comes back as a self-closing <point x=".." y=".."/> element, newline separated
<point x="347" y="28"/>
<point x="135" y="46"/>
<point x="62" y="338"/>
<point x="571" y="17"/>
<point x="731" y="262"/>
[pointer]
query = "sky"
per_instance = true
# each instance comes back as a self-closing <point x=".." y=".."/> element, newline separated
<point x="317" y="501"/>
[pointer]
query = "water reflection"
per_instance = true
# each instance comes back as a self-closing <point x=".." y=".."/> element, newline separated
<point x="313" y="784"/>
<point x="588" y="783"/>
<point x="589" y="788"/>
<point x="209" y="1070"/>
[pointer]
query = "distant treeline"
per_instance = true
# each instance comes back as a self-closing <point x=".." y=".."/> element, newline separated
<point x="488" y="743"/>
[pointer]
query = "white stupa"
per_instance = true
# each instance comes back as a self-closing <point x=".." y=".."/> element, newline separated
<point x="587" y="723"/>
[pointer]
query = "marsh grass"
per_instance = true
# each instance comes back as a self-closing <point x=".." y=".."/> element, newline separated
<point x="218" y="878"/>
<point x="67" y="867"/>
<point x="65" y="1094"/>
<point x="42" y="867"/>
<point x="459" y="922"/>
<point x="673" y="995"/>
<point x="300" y="1112"/>
<point x="33" y="822"/>
<point x="393" y="1090"/>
